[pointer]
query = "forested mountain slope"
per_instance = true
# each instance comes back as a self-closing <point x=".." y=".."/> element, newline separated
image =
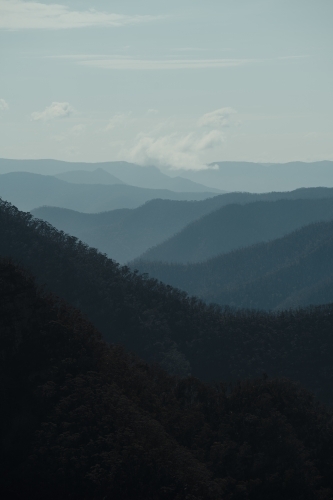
<point x="125" y="234"/>
<point x="83" y="420"/>
<point x="29" y="191"/>
<point x="293" y="271"/>
<point x="162" y="324"/>
<point x="235" y="226"/>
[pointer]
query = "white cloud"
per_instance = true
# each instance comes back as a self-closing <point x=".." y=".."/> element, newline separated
<point x="179" y="150"/>
<point x="3" y="105"/>
<point x="218" y="118"/>
<point x="19" y="15"/>
<point x="127" y="63"/>
<point x="55" y="110"/>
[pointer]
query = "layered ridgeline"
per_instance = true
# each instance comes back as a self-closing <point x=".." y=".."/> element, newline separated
<point x="28" y="191"/>
<point x="114" y="172"/>
<point x="82" y="420"/>
<point x="293" y="271"/>
<point x="125" y="234"/>
<point x="236" y="226"/>
<point x="162" y="324"/>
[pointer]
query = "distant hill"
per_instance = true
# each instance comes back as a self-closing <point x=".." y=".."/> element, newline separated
<point x="293" y="271"/>
<point x="98" y="176"/>
<point x="125" y="234"/>
<point x="236" y="226"/>
<point x="30" y="191"/>
<point x="164" y="325"/>
<point x="261" y="177"/>
<point x="128" y="173"/>
<point x="84" y="420"/>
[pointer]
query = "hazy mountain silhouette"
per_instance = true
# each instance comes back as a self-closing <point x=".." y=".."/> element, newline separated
<point x="261" y="177"/>
<point x="129" y="173"/>
<point x="29" y="191"/>
<point x="236" y="226"/>
<point x="293" y="271"/>
<point x="126" y="233"/>
<point x="81" y="419"/>
<point x="98" y="176"/>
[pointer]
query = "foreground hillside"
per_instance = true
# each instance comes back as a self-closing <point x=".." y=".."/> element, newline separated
<point x="162" y="324"/>
<point x="235" y="226"/>
<point x="29" y="191"/>
<point x="293" y="271"/>
<point x="83" y="420"/>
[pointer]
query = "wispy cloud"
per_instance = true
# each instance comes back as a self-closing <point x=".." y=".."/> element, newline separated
<point x="179" y="150"/>
<point x="55" y="110"/>
<point x="3" y="105"/>
<point x="20" y="15"/>
<point x="126" y="63"/>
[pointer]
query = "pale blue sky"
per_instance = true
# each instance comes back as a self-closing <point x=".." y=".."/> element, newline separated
<point x="180" y="83"/>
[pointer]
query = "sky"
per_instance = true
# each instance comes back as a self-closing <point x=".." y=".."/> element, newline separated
<point x="176" y="84"/>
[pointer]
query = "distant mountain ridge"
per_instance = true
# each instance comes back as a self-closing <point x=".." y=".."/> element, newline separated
<point x="128" y="173"/>
<point x="98" y="176"/>
<point x="262" y="177"/>
<point x="289" y="272"/>
<point x="238" y="225"/>
<point x="125" y="234"/>
<point x="29" y="191"/>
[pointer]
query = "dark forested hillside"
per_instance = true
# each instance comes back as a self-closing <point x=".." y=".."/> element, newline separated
<point x="162" y="324"/>
<point x="82" y="420"/>
<point x="29" y="191"/>
<point x="236" y="226"/>
<point x="293" y="271"/>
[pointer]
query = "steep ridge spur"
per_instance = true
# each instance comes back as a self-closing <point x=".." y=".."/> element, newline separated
<point x="84" y="420"/>
<point x="163" y="324"/>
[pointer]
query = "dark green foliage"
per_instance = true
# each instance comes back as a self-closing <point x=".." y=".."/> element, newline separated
<point x="163" y="324"/>
<point x="83" y="420"/>
<point x="293" y="271"/>
<point x="237" y="226"/>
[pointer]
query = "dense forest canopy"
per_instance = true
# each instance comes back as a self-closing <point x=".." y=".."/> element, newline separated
<point x="81" y="419"/>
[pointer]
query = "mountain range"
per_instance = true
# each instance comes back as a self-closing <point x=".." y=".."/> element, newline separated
<point x="28" y="191"/>
<point x="117" y="172"/>
<point x="235" y="226"/>
<point x="261" y="177"/>
<point x="126" y="234"/>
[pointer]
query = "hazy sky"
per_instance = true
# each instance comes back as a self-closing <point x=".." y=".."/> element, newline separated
<point x="179" y="83"/>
